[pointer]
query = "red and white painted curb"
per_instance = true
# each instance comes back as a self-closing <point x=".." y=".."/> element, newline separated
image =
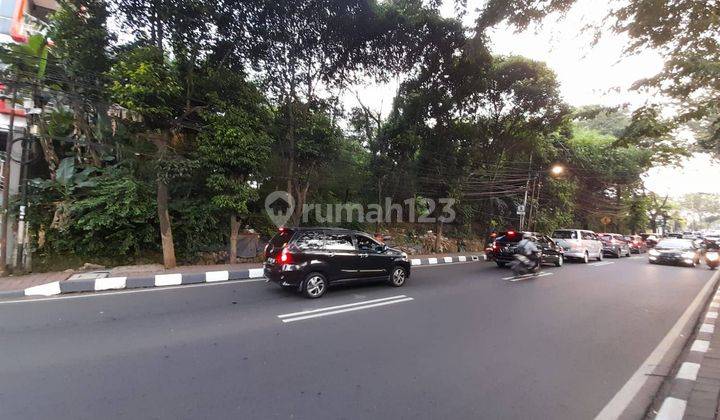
<point x="176" y="279"/>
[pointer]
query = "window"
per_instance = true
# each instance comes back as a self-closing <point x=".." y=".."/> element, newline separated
<point x="279" y="240"/>
<point x="565" y="234"/>
<point x="311" y="240"/>
<point x="589" y="236"/>
<point x="339" y="242"/>
<point x="366" y="244"/>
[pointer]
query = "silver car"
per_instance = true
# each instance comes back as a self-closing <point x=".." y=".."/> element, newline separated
<point x="579" y="243"/>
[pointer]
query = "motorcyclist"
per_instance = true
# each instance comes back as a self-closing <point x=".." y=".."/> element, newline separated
<point x="528" y="248"/>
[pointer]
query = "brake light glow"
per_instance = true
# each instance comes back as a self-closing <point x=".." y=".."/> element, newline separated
<point x="284" y="256"/>
<point x="511" y="233"/>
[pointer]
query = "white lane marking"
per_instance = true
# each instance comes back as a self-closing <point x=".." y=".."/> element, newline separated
<point x="707" y="328"/>
<point x="701" y="346"/>
<point x="330" y="308"/>
<point x="617" y="405"/>
<point x="110" y="283"/>
<point x="415" y="261"/>
<point x="256" y="272"/>
<point x="636" y="258"/>
<point x="602" y="263"/>
<point x="462" y="258"/>
<point x="432" y="260"/>
<point x="355" y="308"/>
<point x="47" y="289"/>
<point x="711" y="315"/>
<point x="671" y="409"/>
<point x="211" y="276"/>
<point x="447" y="259"/>
<point x="715" y="305"/>
<point x="688" y="371"/>
<point x="123" y="292"/>
<point x="168" y="279"/>
<point x="529" y="276"/>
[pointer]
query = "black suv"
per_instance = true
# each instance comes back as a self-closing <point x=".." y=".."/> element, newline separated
<point x="310" y="259"/>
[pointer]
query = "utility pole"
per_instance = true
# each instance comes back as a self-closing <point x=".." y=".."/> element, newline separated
<point x="527" y="187"/>
<point x="6" y="185"/>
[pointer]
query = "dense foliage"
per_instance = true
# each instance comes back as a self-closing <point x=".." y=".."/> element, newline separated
<point x="180" y="133"/>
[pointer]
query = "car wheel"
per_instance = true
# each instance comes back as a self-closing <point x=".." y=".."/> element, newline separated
<point x="560" y="261"/>
<point x="397" y="276"/>
<point x="600" y="256"/>
<point x="314" y="286"/>
<point x="500" y="264"/>
<point x="586" y="258"/>
<point x="618" y="254"/>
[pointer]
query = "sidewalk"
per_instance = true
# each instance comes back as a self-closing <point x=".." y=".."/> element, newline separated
<point x="14" y="283"/>
<point x="694" y="390"/>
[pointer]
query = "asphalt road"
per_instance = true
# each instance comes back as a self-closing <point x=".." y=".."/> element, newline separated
<point x="456" y="342"/>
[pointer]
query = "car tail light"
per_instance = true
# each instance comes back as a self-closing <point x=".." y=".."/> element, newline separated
<point x="285" y="257"/>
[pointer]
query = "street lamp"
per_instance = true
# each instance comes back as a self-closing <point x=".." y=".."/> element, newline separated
<point x="557" y="170"/>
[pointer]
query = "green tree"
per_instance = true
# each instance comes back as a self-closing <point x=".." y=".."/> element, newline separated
<point x="234" y="149"/>
<point x="144" y="82"/>
<point x="81" y="44"/>
<point x="683" y="31"/>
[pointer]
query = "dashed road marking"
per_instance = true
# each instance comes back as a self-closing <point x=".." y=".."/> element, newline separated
<point x="601" y="263"/>
<point x="707" y="328"/>
<point x="338" y="309"/>
<point x="529" y="276"/>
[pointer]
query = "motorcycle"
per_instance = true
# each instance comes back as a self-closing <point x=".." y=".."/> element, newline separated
<point x="712" y="259"/>
<point x="522" y="265"/>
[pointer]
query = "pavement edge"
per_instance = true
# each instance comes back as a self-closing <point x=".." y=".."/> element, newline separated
<point x="178" y="279"/>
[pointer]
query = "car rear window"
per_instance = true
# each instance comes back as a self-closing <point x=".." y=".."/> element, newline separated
<point x="311" y="240"/>
<point x="281" y="238"/>
<point x="565" y="234"/>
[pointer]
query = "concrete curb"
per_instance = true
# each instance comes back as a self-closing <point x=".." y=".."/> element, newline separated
<point x="176" y="279"/>
<point x="693" y="387"/>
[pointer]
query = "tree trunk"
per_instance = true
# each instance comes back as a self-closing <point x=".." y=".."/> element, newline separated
<point x="165" y="230"/>
<point x="234" y="233"/>
<point x="162" y="207"/>
<point x="438" y="236"/>
<point x="6" y="188"/>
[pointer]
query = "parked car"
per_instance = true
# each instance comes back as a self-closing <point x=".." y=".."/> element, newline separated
<point x="614" y="244"/>
<point x="637" y="245"/>
<point x="503" y="249"/>
<point x="675" y="251"/>
<point x="311" y="259"/>
<point x="675" y="235"/>
<point x="650" y="239"/>
<point x="580" y="244"/>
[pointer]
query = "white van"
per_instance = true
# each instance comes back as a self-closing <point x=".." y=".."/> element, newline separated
<point x="579" y="243"/>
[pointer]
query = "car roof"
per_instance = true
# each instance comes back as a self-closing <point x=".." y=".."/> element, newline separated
<point x="327" y="229"/>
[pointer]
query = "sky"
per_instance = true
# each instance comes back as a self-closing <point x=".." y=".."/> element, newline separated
<point x="588" y="74"/>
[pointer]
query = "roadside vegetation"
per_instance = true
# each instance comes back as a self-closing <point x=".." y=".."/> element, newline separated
<point x="163" y="145"/>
